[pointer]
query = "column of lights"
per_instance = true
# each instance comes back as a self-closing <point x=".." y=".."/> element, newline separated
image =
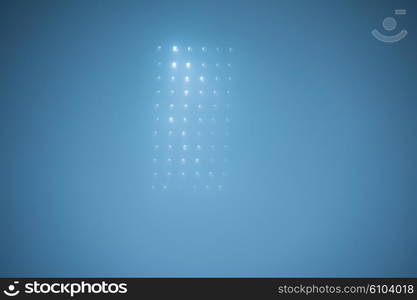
<point x="191" y="118"/>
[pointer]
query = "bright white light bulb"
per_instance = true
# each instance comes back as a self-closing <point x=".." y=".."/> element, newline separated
<point x="201" y="78"/>
<point x="187" y="79"/>
<point x="201" y="92"/>
<point x="183" y="133"/>
<point x="174" y="49"/>
<point x="171" y="120"/>
<point x="171" y="106"/>
<point x="186" y="92"/>
<point x="189" y="49"/>
<point x="174" y="65"/>
<point x="172" y="78"/>
<point x="188" y="65"/>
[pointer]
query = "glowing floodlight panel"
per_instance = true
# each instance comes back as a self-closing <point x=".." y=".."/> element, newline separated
<point x="191" y="121"/>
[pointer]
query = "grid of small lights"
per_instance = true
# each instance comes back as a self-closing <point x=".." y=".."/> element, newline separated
<point x="191" y="118"/>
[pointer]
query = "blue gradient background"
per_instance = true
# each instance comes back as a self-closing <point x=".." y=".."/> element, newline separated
<point x="324" y="142"/>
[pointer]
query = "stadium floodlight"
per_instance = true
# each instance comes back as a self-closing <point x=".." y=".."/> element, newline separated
<point x="191" y="116"/>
